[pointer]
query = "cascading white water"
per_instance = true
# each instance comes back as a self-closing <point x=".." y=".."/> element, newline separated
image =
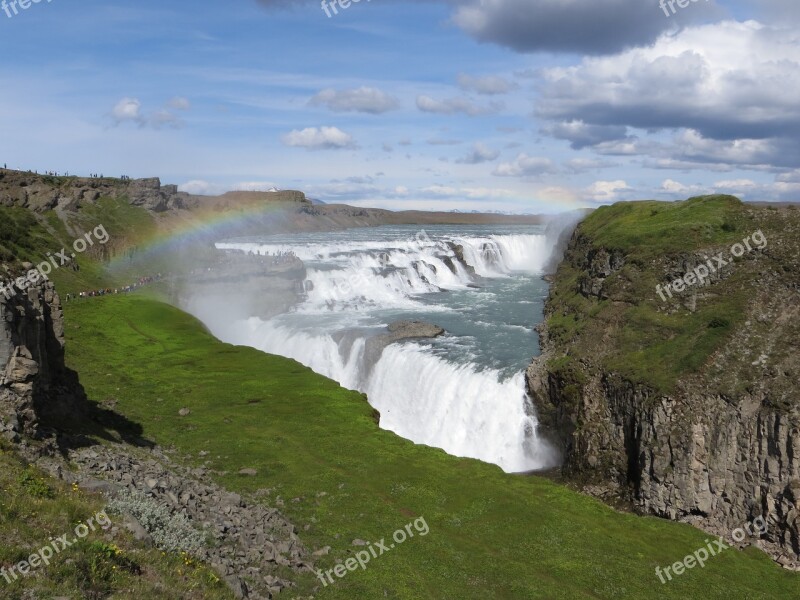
<point x="319" y="352"/>
<point x="451" y="402"/>
<point x="499" y="255"/>
<point x="485" y="418"/>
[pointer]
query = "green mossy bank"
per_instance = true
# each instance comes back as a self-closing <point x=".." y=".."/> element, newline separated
<point x="318" y="450"/>
<point x="329" y="467"/>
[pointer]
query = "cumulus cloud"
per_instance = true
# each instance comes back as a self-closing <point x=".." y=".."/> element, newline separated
<point x="254" y="186"/>
<point x="744" y="188"/>
<point x="319" y="138"/>
<point x="452" y="106"/>
<point x="674" y="187"/>
<point x="585" y="26"/>
<point x="489" y="85"/>
<point x="129" y="110"/>
<point x="525" y="166"/>
<point x="364" y="100"/>
<point x="580" y="135"/>
<point x="200" y="187"/>
<point x="789" y="177"/>
<point x="343" y="191"/>
<point x="731" y="88"/>
<point x="480" y="153"/>
<point x="603" y="192"/>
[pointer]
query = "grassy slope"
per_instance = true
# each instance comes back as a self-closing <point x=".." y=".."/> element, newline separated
<point x="648" y="344"/>
<point x="492" y="535"/>
<point x="28" y="237"/>
<point x="30" y="514"/>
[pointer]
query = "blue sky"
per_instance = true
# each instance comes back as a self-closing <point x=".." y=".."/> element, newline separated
<point x="510" y="105"/>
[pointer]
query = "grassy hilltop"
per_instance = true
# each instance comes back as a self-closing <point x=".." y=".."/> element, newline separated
<point x="326" y="464"/>
<point x="627" y="328"/>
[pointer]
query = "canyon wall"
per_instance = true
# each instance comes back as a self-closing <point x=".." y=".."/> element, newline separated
<point x="718" y="446"/>
<point x="35" y="387"/>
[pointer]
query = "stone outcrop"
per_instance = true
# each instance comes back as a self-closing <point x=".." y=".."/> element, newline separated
<point x="458" y="251"/>
<point x="398" y="331"/>
<point x="150" y="194"/>
<point x="34" y="383"/>
<point x="723" y="447"/>
<point x="40" y="193"/>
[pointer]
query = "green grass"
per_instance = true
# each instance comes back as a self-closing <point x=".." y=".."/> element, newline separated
<point x="20" y="235"/>
<point x="35" y="508"/>
<point x="492" y="535"/>
<point x="633" y="332"/>
<point x="29" y="237"/>
<point x="652" y="228"/>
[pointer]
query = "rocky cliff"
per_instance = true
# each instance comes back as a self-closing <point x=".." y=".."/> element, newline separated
<point x="35" y="386"/>
<point x="686" y="407"/>
<point x="39" y="193"/>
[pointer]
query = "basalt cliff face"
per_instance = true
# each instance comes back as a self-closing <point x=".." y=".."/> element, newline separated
<point x="35" y="386"/>
<point x="687" y="408"/>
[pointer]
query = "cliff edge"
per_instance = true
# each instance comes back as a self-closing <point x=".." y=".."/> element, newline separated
<point x="670" y="363"/>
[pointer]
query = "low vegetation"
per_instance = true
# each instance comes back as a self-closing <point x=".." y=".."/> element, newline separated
<point x="317" y="450"/>
<point x="35" y="508"/>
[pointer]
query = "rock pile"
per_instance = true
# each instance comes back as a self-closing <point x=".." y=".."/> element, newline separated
<point x="252" y="543"/>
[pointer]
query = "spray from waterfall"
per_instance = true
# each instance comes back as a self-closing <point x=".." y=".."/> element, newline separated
<point x="442" y="393"/>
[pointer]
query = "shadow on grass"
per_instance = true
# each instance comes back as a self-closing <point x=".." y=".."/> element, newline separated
<point x="80" y="422"/>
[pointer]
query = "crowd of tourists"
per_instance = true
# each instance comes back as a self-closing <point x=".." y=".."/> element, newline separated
<point x="142" y="281"/>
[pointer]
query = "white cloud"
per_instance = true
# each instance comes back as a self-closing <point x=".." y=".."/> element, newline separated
<point x="127" y="110"/>
<point x="673" y="187"/>
<point x="364" y="99"/>
<point x="729" y="89"/>
<point x="200" y="187"/>
<point x="322" y="138"/>
<point x="747" y="189"/>
<point x="604" y="192"/>
<point x="525" y="166"/>
<point x="472" y="193"/>
<point x="581" y="165"/>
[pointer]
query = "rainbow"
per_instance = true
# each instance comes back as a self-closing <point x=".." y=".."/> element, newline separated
<point x="176" y="233"/>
